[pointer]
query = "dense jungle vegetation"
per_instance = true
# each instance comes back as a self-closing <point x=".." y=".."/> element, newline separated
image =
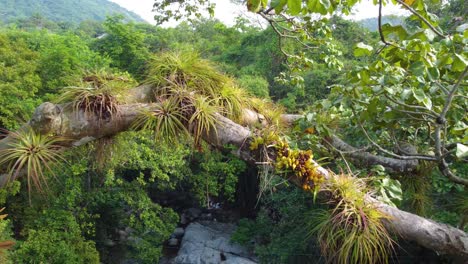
<point x="382" y="92"/>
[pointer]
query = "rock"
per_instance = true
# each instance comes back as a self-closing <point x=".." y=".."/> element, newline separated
<point x="207" y="216"/>
<point x="108" y="243"/>
<point x="173" y="242"/>
<point x="207" y="242"/>
<point x="178" y="232"/>
<point x="193" y="213"/>
<point x="183" y="219"/>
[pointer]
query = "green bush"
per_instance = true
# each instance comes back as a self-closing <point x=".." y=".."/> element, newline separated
<point x="56" y="239"/>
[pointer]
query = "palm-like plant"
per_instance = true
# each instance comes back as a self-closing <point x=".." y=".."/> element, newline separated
<point x="353" y="231"/>
<point x="32" y="152"/>
<point x="166" y="120"/>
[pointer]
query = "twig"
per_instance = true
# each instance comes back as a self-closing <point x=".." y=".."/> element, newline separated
<point x="433" y="113"/>
<point x="412" y="157"/>
<point x="441" y="122"/>
<point x="440" y="34"/>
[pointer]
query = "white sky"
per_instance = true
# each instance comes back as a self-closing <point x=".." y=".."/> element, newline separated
<point x="226" y="11"/>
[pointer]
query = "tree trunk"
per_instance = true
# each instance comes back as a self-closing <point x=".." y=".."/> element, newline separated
<point x="81" y="128"/>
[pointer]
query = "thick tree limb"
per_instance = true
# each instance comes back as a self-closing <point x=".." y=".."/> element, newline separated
<point x="361" y="157"/>
<point x="367" y="159"/>
<point x="81" y="128"/>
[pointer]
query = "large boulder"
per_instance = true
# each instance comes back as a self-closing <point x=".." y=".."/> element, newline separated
<point x="207" y="242"/>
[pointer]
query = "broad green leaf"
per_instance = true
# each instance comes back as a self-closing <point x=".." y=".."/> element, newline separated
<point x="427" y="103"/>
<point x="294" y="7"/>
<point x="433" y="73"/>
<point x="444" y="60"/>
<point x="325" y="3"/>
<point x="462" y="151"/>
<point x="279" y="5"/>
<point x="405" y="94"/>
<point x="398" y="31"/>
<point x="459" y="63"/>
<point x="362" y="49"/>
<point x="393" y="187"/>
<point x="418" y="68"/>
<point x="418" y="94"/>
<point x="318" y="6"/>
<point x="253" y="5"/>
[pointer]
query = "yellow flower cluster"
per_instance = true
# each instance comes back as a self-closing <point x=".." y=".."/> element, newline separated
<point x="299" y="162"/>
<point x="268" y="139"/>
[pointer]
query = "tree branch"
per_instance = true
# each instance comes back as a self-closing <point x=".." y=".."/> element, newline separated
<point x="440" y="34"/>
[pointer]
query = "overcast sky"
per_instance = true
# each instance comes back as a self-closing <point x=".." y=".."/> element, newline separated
<point x="226" y="11"/>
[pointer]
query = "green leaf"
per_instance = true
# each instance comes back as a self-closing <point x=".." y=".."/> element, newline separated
<point x="279" y="5"/>
<point x="325" y="3"/>
<point x="396" y="31"/>
<point x="421" y="97"/>
<point x="462" y="151"/>
<point x="294" y="7"/>
<point x="459" y="63"/>
<point x="253" y="5"/>
<point x="362" y="49"/>
<point x="418" y="94"/>
<point x="393" y="187"/>
<point x="318" y="6"/>
<point x="433" y="73"/>
<point x="427" y="103"/>
<point x="418" y="68"/>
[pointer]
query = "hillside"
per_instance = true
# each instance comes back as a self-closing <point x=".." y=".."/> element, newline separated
<point x="371" y="23"/>
<point x="73" y="11"/>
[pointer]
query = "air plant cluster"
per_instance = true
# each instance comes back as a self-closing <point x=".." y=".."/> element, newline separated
<point x="98" y="93"/>
<point x="191" y="93"/>
<point x="33" y="153"/>
<point x="352" y="231"/>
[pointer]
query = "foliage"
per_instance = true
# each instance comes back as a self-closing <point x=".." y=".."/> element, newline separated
<point x="124" y="44"/>
<point x="63" y="59"/>
<point x="203" y="120"/>
<point x="56" y="238"/>
<point x="18" y="81"/>
<point x="33" y="152"/>
<point x="5" y="240"/>
<point x="255" y="85"/>
<point x="164" y="166"/>
<point x="215" y="176"/>
<point x="278" y="234"/>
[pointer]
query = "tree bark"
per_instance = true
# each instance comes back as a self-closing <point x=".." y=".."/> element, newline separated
<point x="81" y="129"/>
